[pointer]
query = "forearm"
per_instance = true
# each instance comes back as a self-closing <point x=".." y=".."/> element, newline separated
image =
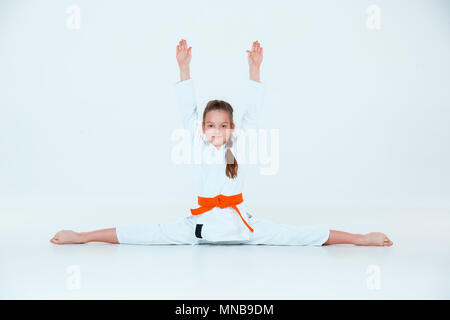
<point x="185" y="73"/>
<point x="340" y="237"/>
<point x="254" y="74"/>
<point x="103" y="235"/>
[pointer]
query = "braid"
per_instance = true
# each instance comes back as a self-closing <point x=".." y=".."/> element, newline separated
<point x="232" y="165"/>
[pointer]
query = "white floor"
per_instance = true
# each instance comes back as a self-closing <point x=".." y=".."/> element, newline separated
<point x="416" y="267"/>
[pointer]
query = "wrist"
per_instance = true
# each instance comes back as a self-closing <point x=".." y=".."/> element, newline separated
<point x="83" y="237"/>
<point x="359" y="239"/>
<point x="185" y="73"/>
<point x="254" y="74"/>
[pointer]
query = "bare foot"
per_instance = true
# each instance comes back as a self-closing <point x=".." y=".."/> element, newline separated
<point x="375" y="239"/>
<point x="67" y="236"/>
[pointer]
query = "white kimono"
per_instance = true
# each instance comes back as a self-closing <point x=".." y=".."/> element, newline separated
<point x="220" y="225"/>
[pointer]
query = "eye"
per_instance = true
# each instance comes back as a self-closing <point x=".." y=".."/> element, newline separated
<point x="209" y="125"/>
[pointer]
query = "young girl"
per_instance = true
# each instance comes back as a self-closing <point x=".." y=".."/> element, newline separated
<point x="222" y="217"/>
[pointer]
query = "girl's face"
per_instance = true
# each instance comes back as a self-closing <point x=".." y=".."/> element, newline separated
<point x="217" y="127"/>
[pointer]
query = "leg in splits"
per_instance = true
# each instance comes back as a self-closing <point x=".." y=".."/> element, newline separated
<point x="182" y="231"/>
<point x="270" y="233"/>
<point x="179" y="232"/>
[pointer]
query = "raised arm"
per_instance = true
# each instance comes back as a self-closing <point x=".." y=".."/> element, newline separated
<point x="250" y="118"/>
<point x="184" y="89"/>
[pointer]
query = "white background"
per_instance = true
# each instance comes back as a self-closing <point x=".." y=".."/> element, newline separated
<point x="86" y="115"/>
<point x="86" y="118"/>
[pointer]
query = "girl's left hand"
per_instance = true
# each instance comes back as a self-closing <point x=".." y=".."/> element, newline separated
<point x="255" y="56"/>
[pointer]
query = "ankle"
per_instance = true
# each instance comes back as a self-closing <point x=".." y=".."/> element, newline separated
<point x="360" y="239"/>
<point x="83" y="237"/>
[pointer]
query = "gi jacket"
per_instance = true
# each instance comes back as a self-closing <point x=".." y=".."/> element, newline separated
<point x="209" y="163"/>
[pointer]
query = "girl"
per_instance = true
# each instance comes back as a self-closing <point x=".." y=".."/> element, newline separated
<point x="222" y="217"/>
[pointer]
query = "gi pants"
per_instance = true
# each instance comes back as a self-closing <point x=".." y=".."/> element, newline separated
<point x="186" y="231"/>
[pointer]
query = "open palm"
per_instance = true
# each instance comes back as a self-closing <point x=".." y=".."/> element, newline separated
<point x="183" y="54"/>
<point x="255" y="56"/>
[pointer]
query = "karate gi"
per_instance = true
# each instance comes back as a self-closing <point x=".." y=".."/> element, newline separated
<point x="219" y="225"/>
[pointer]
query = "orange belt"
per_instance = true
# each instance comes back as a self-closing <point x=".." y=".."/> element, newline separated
<point x="220" y="201"/>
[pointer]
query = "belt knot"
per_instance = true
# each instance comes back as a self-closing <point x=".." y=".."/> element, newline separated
<point x="220" y="201"/>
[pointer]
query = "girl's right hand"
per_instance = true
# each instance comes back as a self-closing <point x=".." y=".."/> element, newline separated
<point x="183" y="54"/>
